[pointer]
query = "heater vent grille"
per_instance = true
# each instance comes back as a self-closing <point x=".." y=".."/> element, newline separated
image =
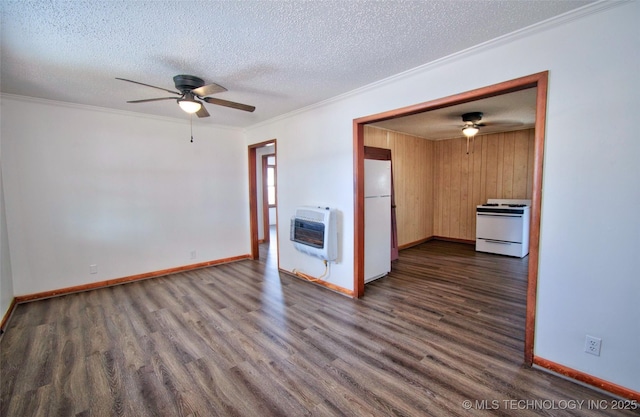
<point x="314" y="232"/>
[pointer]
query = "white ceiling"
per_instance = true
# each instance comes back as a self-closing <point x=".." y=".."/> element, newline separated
<point x="507" y="112"/>
<point x="276" y="55"/>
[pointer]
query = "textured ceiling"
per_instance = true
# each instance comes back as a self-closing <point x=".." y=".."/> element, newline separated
<point x="276" y="55"/>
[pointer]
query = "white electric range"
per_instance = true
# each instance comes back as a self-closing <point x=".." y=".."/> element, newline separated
<point x="502" y="227"/>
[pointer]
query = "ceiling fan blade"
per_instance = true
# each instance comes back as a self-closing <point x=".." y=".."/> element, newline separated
<point x="205" y="90"/>
<point x="151" y="99"/>
<point x="504" y="124"/>
<point x="148" y="85"/>
<point x="231" y="104"/>
<point x="202" y="112"/>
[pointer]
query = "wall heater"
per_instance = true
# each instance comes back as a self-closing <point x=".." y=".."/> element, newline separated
<point x="314" y="232"/>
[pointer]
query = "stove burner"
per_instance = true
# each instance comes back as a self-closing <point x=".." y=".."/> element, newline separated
<point x="491" y="204"/>
<point x="517" y="205"/>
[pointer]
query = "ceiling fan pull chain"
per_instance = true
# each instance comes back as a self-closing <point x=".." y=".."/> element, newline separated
<point x="191" y="124"/>
<point x="467" y="145"/>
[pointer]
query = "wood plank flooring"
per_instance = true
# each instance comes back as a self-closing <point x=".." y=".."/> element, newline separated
<point x="243" y="340"/>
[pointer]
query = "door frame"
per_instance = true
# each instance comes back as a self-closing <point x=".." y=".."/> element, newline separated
<point x="538" y="80"/>
<point x="253" y="195"/>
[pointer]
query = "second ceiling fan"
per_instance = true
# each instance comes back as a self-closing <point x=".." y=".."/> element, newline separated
<point x="472" y="126"/>
<point x="192" y="91"/>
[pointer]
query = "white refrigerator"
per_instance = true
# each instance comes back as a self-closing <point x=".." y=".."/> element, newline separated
<point x="377" y="219"/>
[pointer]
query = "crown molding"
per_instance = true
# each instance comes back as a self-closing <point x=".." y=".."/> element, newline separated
<point x="545" y="25"/>
<point x="76" y="106"/>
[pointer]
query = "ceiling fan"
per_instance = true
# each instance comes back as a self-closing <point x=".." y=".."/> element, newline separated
<point x="472" y="126"/>
<point x="192" y="91"/>
<point x="471" y="123"/>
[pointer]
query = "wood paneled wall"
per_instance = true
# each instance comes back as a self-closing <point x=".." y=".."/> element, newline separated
<point x="412" y="180"/>
<point x="500" y="166"/>
<point x="438" y="185"/>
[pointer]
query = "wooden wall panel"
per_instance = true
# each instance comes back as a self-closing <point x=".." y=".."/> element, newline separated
<point x="500" y="165"/>
<point x="376" y="137"/>
<point x="530" y="162"/>
<point x="438" y="185"/>
<point x="413" y="181"/>
<point x="521" y="161"/>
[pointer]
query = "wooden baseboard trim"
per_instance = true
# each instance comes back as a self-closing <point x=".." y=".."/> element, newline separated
<point x="446" y="239"/>
<point x="455" y="240"/>
<point x="587" y="379"/>
<point x="124" y="280"/>
<point x="325" y="284"/>
<point x="416" y="243"/>
<point x="8" y="314"/>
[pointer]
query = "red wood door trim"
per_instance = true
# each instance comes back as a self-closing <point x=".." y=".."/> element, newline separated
<point x="265" y="199"/>
<point x="253" y="204"/>
<point x="253" y="196"/>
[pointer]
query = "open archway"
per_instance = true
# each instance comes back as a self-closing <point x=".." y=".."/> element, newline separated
<point x="539" y="81"/>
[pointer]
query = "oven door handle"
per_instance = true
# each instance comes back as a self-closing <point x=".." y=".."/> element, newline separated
<point x="499" y="215"/>
<point x="502" y="242"/>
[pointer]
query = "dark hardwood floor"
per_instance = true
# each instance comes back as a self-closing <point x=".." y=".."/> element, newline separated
<point x="447" y="326"/>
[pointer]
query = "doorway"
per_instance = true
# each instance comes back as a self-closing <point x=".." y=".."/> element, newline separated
<point x="540" y="81"/>
<point x="262" y="195"/>
<point x="269" y="186"/>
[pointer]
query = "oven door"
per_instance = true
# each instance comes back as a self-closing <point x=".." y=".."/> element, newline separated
<point x="499" y="226"/>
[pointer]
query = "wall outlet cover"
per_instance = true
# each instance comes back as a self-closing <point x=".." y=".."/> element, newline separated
<point x="592" y="345"/>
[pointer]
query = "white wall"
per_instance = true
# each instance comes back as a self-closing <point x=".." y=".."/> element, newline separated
<point x="126" y="192"/>
<point x="590" y="232"/>
<point x="6" y="279"/>
<point x="272" y="216"/>
<point x="314" y="168"/>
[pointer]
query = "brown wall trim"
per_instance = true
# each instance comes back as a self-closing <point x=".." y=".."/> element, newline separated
<point x="416" y="243"/>
<point x="428" y="239"/>
<point x="511" y="86"/>
<point x="265" y="199"/>
<point x="455" y="240"/>
<point x="587" y="379"/>
<point x="253" y="203"/>
<point x="358" y="221"/>
<point x="536" y="207"/>
<point x="123" y="280"/>
<point x="253" y="196"/>
<point x="380" y="154"/>
<point x="8" y="314"/>
<point x="325" y="284"/>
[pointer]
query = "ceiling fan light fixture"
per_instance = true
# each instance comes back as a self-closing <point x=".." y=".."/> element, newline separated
<point x="190" y="88"/>
<point x="470" y="131"/>
<point x="189" y="105"/>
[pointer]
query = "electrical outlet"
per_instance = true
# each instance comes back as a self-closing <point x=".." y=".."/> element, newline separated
<point x="592" y="345"/>
<point x="193" y="254"/>
<point x="93" y="269"/>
